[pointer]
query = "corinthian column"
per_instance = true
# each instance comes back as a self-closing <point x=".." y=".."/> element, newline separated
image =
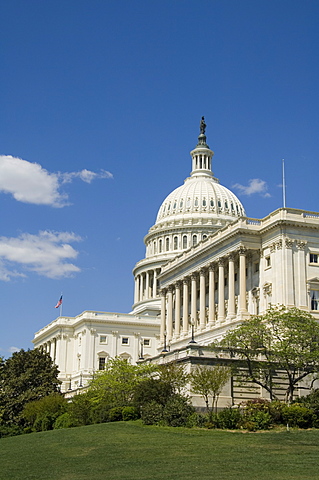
<point x="163" y="315"/>
<point x="202" y="300"/>
<point x="194" y="299"/>
<point x="185" y="306"/>
<point x="221" y="290"/>
<point x="231" y="288"/>
<point x="211" y="295"/>
<point x="154" y="283"/>
<point x="170" y="313"/>
<point x="147" y="285"/>
<point x="242" y="281"/>
<point x="177" y="308"/>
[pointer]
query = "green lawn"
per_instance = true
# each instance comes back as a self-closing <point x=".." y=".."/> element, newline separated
<point x="129" y="450"/>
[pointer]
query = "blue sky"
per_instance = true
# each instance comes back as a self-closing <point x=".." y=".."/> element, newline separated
<point x="100" y="106"/>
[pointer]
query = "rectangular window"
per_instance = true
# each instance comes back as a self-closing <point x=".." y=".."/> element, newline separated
<point x="314" y="299"/>
<point x="147" y="342"/>
<point x="102" y="363"/>
<point x="268" y="262"/>
<point x="313" y="258"/>
<point x="102" y="338"/>
<point x="124" y="340"/>
<point x="236" y="276"/>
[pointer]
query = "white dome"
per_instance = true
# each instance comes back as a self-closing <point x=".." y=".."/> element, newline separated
<point x="200" y="196"/>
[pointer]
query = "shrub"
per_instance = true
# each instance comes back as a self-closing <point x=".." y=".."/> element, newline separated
<point x="130" y="413"/>
<point x="44" y="422"/>
<point x="197" y="420"/>
<point x="258" y="420"/>
<point x="275" y="410"/>
<point x="229" y="418"/>
<point x="10" y="430"/>
<point x="80" y="409"/>
<point x="152" y="389"/>
<point x="115" y="414"/>
<point x="44" y="411"/>
<point x="311" y="401"/>
<point x="100" y="412"/>
<point x="63" y="421"/>
<point x="296" y="415"/>
<point x="152" y="413"/>
<point x="177" y="410"/>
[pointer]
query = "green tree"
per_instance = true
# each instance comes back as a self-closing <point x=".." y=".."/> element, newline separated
<point x="284" y="340"/>
<point x="50" y="407"/>
<point x="115" y="386"/>
<point x="24" y="377"/>
<point x="173" y="374"/>
<point x="208" y="382"/>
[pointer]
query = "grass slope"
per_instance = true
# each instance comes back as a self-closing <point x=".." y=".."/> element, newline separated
<point x="129" y="450"/>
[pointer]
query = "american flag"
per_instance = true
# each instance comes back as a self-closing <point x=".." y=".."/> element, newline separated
<point x="59" y="302"/>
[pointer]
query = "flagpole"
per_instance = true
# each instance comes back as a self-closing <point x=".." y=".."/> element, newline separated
<point x="283" y="184"/>
<point x="61" y="306"/>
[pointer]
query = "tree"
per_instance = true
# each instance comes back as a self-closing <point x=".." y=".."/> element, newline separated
<point x="24" y="377"/>
<point x="115" y="386"/>
<point x="284" y="340"/>
<point x="208" y="382"/>
<point x="174" y="375"/>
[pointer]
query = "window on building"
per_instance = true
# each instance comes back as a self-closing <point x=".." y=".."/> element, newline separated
<point x="313" y="258"/>
<point x="219" y="203"/>
<point x="174" y="205"/>
<point x="268" y="261"/>
<point x="146" y="342"/>
<point x="196" y="202"/>
<point x="181" y="203"/>
<point x="236" y="276"/>
<point x="204" y="202"/>
<point x="167" y="244"/>
<point x="175" y="243"/>
<point x="160" y="246"/>
<point x="103" y="338"/>
<point x="102" y="362"/>
<point x="194" y="240"/>
<point x="125" y="341"/>
<point x="314" y="299"/>
<point x="204" y="237"/>
<point x="184" y="241"/>
<point x="211" y="202"/>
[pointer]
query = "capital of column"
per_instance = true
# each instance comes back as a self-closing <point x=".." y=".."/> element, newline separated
<point x="186" y="281"/>
<point x="194" y="276"/>
<point x="202" y="272"/>
<point x="163" y="292"/>
<point x="221" y="262"/>
<point x="178" y="284"/>
<point x="242" y="251"/>
<point x="211" y="267"/>
<point x="231" y="256"/>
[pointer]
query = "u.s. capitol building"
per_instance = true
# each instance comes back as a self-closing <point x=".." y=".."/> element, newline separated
<point x="207" y="268"/>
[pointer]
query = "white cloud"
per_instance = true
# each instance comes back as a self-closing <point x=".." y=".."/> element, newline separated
<point x="255" y="185"/>
<point x="85" y="175"/>
<point x="30" y="183"/>
<point x="48" y="254"/>
<point x="14" y="349"/>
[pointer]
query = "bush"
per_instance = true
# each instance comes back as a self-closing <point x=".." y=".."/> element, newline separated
<point x="311" y="401"/>
<point x="297" y="415"/>
<point x="130" y="413"/>
<point x="115" y="414"/>
<point x="10" y="431"/>
<point x="100" y="412"/>
<point x="63" y="421"/>
<point x="80" y="410"/>
<point x="258" y="420"/>
<point x="152" y="389"/>
<point x="229" y="418"/>
<point x="44" y="412"/>
<point x="177" y="411"/>
<point x="197" y="420"/>
<point x="44" y="422"/>
<point x="152" y="413"/>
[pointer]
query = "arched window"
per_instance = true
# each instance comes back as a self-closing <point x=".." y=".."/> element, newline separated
<point x="160" y="246"/>
<point x="219" y="204"/>
<point x="204" y="202"/>
<point x="167" y="244"/>
<point x="204" y="237"/>
<point x="196" y="202"/>
<point x="181" y="203"/>
<point x="211" y="202"/>
<point x="194" y="240"/>
<point x="188" y="204"/>
<point x="175" y="243"/>
<point x="184" y="241"/>
<point x="154" y="247"/>
<point x="174" y="205"/>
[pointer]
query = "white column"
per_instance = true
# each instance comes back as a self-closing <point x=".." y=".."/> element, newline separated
<point x="194" y="300"/>
<point x="202" y="298"/>
<point x="242" y="281"/>
<point x="221" y="290"/>
<point x="177" y="308"/>
<point x="231" y="288"/>
<point x="185" y="306"/>
<point x="170" y="313"/>
<point x="136" y="293"/>
<point x="163" y="315"/>
<point x="302" y="287"/>
<point x="115" y="334"/>
<point x="141" y="286"/>
<point x="154" y="283"/>
<point x="211" y="295"/>
<point x="147" y="285"/>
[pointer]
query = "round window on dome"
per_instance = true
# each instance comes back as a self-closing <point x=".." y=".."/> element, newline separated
<point x="211" y="202"/>
<point x="219" y="204"/>
<point x="196" y="202"/>
<point x="174" y="206"/>
<point x="181" y="203"/>
<point x="204" y="202"/>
